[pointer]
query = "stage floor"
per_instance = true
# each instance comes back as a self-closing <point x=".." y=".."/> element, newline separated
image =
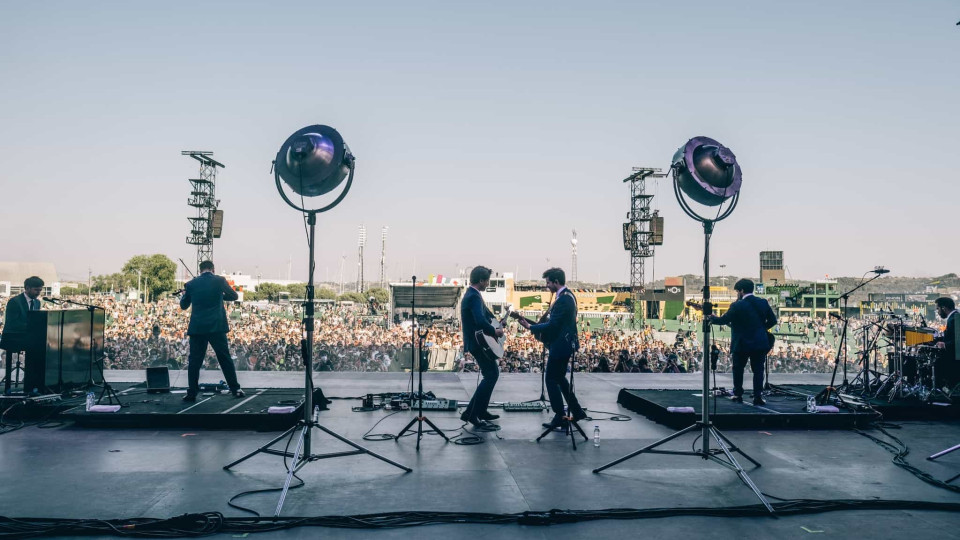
<point x="76" y="472"/>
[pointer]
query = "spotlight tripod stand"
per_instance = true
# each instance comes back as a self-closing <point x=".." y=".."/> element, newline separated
<point x="416" y="355"/>
<point x="310" y="421"/>
<point x="690" y="168"/>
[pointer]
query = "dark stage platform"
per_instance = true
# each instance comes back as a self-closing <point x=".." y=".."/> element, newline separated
<point x="73" y="472"/>
<point x="210" y="411"/>
<point x="785" y="408"/>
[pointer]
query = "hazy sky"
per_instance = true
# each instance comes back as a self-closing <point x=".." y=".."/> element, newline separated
<point x="484" y="131"/>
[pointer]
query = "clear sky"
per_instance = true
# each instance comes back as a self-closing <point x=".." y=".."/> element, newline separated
<point x="484" y="131"/>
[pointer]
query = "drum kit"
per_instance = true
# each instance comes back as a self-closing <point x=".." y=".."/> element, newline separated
<point x="911" y="359"/>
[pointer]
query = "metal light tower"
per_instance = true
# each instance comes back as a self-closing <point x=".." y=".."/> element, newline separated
<point x="361" y="241"/>
<point x="207" y="224"/>
<point x="573" y="255"/>
<point x="636" y="231"/>
<point x="383" y="257"/>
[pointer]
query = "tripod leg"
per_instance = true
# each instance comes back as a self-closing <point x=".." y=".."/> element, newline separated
<point x="263" y="448"/>
<point x="294" y="466"/>
<point x="435" y="428"/>
<point x="944" y="452"/>
<point x="362" y="449"/>
<point x="733" y="447"/>
<point x="684" y="431"/>
<point x="740" y="472"/>
<point x="405" y="429"/>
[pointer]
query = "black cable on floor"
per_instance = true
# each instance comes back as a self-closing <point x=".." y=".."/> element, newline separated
<point x="208" y="523"/>
<point x="900" y="451"/>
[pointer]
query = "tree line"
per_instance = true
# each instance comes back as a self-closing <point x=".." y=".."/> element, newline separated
<point x="155" y="277"/>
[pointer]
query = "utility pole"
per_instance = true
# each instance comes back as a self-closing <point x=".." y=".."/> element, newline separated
<point x="361" y="241"/>
<point x="383" y="257"/>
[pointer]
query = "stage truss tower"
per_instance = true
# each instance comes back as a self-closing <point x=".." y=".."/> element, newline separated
<point x="207" y="223"/>
<point x="637" y="234"/>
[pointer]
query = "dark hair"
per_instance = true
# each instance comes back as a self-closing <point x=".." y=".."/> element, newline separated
<point x="946" y="303"/>
<point x="744" y="285"/>
<point x="556" y="275"/>
<point x="32" y="281"/>
<point x="206" y="265"/>
<point x="478" y="274"/>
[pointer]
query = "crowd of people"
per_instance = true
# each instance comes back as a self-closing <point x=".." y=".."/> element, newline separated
<point x="266" y="337"/>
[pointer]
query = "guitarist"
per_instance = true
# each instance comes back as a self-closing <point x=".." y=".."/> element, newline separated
<point x="475" y="316"/>
<point x="749" y="318"/>
<point x="559" y="335"/>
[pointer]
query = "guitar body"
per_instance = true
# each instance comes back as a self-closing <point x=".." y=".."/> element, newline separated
<point x="491" y="347"/>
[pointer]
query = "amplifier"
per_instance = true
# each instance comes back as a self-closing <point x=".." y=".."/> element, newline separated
<point x="513" y="406"/>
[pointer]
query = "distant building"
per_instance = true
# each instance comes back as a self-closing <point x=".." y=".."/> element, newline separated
<point x="771" y="267"/>
<point x="12" y="275"/>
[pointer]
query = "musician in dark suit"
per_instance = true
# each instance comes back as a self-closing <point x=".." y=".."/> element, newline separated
<point x="208" y="325"/>
<point x="749" y="318"/>
<point x="946" y="365"/>
<point x="475" y="316"/>
<point x="15" y="322"/>
<point x="559" y="334"/>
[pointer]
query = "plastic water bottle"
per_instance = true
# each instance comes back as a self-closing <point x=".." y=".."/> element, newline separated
<point x="90" y="400"/>
<point x="596" y="436"/>
<point x="811" y="404"/>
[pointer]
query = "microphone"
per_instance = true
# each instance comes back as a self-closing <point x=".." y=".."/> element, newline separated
<point x="836" y="316"/>
<point x="879" y="270"/>
<point x="54" y="300"/>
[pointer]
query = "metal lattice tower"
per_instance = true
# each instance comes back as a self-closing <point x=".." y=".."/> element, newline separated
<point x="362" y="240"/>
<point x="637" y="233"/>
<point x="203" y="197"/>
<point x="573" y="256"/>
<point x="383" y="257"/>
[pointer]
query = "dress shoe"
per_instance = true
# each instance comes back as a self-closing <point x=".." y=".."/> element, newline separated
<point x="482" y="424"/>
<point x="759" y="401"/>
<point x="190" y="398"/>
<point x="558" y="422"/>
<point x="736" y="399"/>
<point x="485" y="415"/>
<point x="238" y="393"/>
<point x="464" y="417"/>
<point x="579" y="415"/>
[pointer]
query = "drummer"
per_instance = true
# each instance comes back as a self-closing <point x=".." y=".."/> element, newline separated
<point x="947" y="365"/>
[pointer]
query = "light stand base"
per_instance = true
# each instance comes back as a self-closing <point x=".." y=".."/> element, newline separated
<point x="300" y="459"/>
<point x="419" y="420"/>
<point x="726" y="449"/>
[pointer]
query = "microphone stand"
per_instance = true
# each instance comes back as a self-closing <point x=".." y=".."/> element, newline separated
<point x="824" y="397"/>
<point x="107" y="390"/>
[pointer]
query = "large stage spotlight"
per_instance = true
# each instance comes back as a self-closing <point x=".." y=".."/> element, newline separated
<point x="708" y="173"/>
<point x="313" y="161"/>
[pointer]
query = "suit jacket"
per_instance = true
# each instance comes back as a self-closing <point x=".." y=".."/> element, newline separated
<point x="749" y="318"/>
<point x="559" y="332"/>
<point x="206" y="293"/>
<point x="15" y="323"/>
<point x="949" y="338"/>
<point x="474" y="316"/>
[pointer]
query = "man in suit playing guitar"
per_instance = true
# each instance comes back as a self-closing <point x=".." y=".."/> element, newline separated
<point x="559" y="334"/>
<point x="474" y="317"/>
<point x="749" y="318"/>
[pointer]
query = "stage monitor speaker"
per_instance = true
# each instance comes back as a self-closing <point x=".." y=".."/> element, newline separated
<point x="158" y="380"/>
<point x="956" y="348"/>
